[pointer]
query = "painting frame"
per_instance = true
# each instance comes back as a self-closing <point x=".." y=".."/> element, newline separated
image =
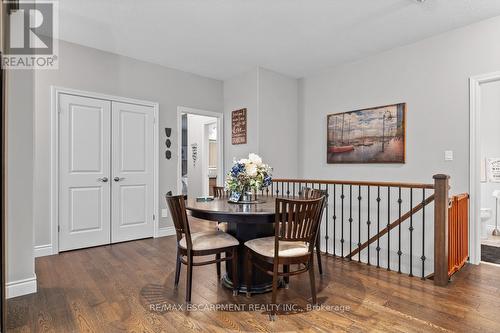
<point x="401" y="109"/>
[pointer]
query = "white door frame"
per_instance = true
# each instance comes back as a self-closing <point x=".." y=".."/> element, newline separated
<point x="220" y="142"/>
<point x="55" y="91"/>
<point x="475" y="164"/>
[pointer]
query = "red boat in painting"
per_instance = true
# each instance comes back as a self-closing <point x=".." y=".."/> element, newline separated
<point x="340" y="149"/>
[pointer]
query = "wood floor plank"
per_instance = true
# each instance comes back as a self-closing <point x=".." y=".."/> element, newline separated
<point x="128" y="287"/>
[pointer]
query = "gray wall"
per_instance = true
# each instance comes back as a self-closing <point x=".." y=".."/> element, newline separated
<point x="272" y="131"/>
<point x="278" y="122"/>
<point x="241" y="92"/>
<point x="92" y="70"/>
<point x="432" y="77"/>
<point x="20" y="261"/>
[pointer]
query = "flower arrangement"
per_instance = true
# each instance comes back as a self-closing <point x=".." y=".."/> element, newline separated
<point x="248" y="174"/>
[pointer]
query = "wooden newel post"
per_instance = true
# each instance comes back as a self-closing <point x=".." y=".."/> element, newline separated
<point x="441" y="188"/>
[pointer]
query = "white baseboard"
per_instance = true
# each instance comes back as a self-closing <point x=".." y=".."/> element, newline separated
<point x="43" y="250"/>
<point x="167" y="231"/>
<point x="21" y="287"/>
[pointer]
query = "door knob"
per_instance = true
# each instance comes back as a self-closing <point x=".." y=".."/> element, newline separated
<point x="103" y="179"/>
<point x="117" y="179"/>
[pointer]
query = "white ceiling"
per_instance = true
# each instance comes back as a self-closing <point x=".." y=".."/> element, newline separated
<point x="223" y="38"/>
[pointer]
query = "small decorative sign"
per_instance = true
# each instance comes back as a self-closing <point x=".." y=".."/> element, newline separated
<point x="235" y="197"/>
<point x="239" y="127"/>
<point x="494" y="170"/>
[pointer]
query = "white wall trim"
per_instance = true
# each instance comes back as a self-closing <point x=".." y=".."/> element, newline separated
<point x="54" y="154"/>
<point x="43" y="250"/>
<point x="166" y="231"/>
<point x="474" y="160"/>
<point x="21" y="287"/>
<point x="220" y="141"/>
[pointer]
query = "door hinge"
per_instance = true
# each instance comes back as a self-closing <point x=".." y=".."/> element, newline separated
<point x="58" y="228"/>
<point x="154" y="217"/>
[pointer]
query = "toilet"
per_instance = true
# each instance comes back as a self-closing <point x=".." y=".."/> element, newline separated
<point x="486" y="214"/>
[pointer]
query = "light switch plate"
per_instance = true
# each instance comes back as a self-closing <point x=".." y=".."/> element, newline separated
<point x="448" y="155"/>
<point x="164" y="212"/>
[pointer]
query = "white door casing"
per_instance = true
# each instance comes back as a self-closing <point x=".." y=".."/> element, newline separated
<point x="84" y="172"/>
<point x="133" y="172"/>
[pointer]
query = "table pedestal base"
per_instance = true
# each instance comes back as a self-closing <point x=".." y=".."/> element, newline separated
<point x="261" y="282"/>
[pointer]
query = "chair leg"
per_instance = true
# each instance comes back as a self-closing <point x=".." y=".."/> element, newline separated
<point x="318" y="256"/>
<point x="236" y="283"/>
<point x="177" y="270"/>
<point x="248" y="271"/>
<point x="217" y="257"/>
<point x="286" y="279"/>
<point x="274" y="296"/>
<point x="189" y="281"/>
<point x="313" y="282"/>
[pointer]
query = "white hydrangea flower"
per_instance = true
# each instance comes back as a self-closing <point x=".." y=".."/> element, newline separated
<point x="251" y="169"/>
<point x="256" y="159"/>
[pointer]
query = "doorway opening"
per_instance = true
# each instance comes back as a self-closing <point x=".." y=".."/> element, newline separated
<point x="201" y="147"/>
<point x="485" y="169"/>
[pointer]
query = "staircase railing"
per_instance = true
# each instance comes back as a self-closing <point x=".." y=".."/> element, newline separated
<point x="386" y="224"/>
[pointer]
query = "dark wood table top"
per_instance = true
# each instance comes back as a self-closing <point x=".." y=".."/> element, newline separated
<point x="221" y="210"/>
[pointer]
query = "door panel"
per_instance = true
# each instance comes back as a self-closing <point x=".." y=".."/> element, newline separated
<point x="132" y="165"/>
<point x="84" y="165"/>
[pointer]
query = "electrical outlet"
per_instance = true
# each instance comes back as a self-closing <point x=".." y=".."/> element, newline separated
<point x="164" y="212"/>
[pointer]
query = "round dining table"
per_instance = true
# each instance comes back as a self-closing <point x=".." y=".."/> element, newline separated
<point x="245" y="221"/>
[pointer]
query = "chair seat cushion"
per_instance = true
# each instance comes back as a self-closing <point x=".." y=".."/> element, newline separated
<point x="209" y="240"/>
<point x="265" y="246"/>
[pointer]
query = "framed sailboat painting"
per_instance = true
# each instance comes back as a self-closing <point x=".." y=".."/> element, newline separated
<point x="373" y="135"/>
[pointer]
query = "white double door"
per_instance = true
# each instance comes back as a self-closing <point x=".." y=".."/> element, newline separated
<point x="106" y="172"/>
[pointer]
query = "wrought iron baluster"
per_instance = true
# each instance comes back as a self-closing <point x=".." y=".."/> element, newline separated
<point x="378" y="227"/>
<point x="288" y="189"/>
<point x="388" y="228"/>
<point x="423" y="234"/>
<point x="399" y="232"/>
<point x="359" y="223"/>
<point x="368" y="224"/>
<point x="342" y="240"/>
<point x="272" y="189"/>
<point x="283" y="188"/>
<point x="334" y="216"/>
<point x="411" y="233"/>
<point x="293" y="189"/>
<point x="326" y="219"/>
<point x="350" y="220"/>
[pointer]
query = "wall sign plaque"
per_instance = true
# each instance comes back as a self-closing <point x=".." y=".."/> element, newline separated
<point x="239" y="127"/>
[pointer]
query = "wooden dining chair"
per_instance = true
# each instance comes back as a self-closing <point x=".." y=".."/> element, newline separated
<point x="202" y="243"/>
<point x="296" y="228"/>
<point x="310" y="193"/>
<point x="220" y="192"/>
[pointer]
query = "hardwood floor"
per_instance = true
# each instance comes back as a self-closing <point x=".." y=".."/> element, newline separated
<point x="128" y="287"/>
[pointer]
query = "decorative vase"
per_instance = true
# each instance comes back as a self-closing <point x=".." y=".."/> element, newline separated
<point x="247" y="196"/>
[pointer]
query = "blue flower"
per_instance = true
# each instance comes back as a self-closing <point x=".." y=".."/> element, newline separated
<point x="237" y="169"/>
<point x="267" y="180"/>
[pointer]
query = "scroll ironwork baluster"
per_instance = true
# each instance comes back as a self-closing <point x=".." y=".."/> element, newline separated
<point x="350" y="220"/>
<point x="368" y="222"/>
<point x="388" y="228"/>
<point x="334" y="216"/>
<point x="342" y="240"/>
<point x="378" y="227"/>
<point x="423" y="234"/>
<point x="359" y="223"/>
<point x="411" y="233"/>
<point x="399" y="232"/>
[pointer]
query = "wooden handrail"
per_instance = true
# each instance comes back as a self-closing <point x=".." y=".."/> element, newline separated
<point x="351" y="182"/>
<point x="392" y="225"/>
